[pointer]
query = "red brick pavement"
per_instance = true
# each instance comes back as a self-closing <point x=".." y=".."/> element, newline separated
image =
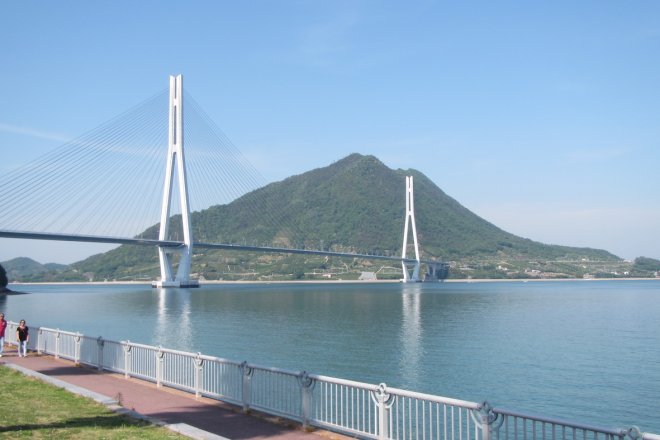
<point x="170" y="406"/>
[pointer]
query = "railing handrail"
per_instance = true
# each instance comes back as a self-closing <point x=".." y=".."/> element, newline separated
<point x="345" y="382"/>
<point x="274" y="370"/>
<point x="135" y="344"/>
<point x="209" y="358"/>
<point x="553" y="421"/>
<point x="57" y="330"/>
<point x="162" y="349"/>
<point x="435" y="399"/>
<point x="206" y="357"/>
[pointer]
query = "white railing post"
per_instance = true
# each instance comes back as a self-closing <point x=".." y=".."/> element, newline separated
<point x="99" y="344"/>
<point x="486" y="418"/>
<point x="633" y="433"/>
<point x="127" y="358"/>
<point x="57" y="344"/>
<point x="245" y="392"/>
<point x="160" y="355"/>
<point x="40" y="341"/>
<point x="383" y="402"/>
<point x="199" y="366"/>
<point x="306" y="387"/>
<point x="76" y="349"/>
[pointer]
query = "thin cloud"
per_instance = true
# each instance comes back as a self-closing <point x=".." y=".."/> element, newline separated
<point x="27" y="131"/>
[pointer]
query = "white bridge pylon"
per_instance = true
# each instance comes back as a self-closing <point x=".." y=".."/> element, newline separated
<point x="410" y="220"/>
<point x="175" y="157"/>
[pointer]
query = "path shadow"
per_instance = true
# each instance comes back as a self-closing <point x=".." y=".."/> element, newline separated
<point x="233" y="424"/>
<point x="104" y="422"/>
<point x="70" y="371"/>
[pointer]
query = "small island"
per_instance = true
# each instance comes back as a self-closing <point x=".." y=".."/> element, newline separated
<point x="4" y="281"/>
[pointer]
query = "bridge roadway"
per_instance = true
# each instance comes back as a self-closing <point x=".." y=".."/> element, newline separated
<point x="175" y="244"/>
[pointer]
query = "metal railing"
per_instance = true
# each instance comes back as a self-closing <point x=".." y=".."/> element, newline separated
<point x="353" y="408"/>
<point x="506" y="424"/>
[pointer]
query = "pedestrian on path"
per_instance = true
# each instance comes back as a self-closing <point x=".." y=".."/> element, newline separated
<point x="3" y="327"/>
<point x="23" y="337"/>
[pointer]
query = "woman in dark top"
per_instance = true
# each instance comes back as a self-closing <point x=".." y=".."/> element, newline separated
<point x="23" y="336"/>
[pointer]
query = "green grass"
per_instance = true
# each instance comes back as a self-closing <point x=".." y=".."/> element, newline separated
<point x="30" y="408"/>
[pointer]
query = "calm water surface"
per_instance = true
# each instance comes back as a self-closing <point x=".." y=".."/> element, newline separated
<point x="585" y="351"/>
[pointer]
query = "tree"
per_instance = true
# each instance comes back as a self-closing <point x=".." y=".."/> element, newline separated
<point x="3" y="278"/>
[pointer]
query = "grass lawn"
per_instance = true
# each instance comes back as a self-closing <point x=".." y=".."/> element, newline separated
<point x="30" y="408"/>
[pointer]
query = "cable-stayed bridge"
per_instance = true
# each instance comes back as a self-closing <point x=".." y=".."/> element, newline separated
<point x="110" y="186"/>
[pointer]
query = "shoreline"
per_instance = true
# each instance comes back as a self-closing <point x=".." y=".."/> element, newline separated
<point x="536" y="280"/>
<point x="220" y="282"/>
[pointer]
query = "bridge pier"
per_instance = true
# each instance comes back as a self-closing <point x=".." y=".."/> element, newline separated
<point x="436" y="271"/>
<point x="175" y="157"/>
<point x="410" y="220"/>
<point x="190" y="284"/>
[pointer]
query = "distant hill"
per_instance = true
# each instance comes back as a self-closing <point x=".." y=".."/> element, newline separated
<point x="22" y="267"/>
<point x="355" y="204"/>
<point x="645" y="267"/>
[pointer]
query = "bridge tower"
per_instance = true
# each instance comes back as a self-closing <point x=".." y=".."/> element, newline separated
<point x="410" y="219"/>
<point x="175" y="158"/>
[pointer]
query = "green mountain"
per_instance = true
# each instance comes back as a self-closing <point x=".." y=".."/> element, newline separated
<point x="357" y="204"/>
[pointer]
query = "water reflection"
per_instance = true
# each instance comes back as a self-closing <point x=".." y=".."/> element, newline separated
<point x="173" y="319"/>
<point x="411" y="333"/>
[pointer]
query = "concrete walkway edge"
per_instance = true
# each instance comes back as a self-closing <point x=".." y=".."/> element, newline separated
<point x="113" y="405"/>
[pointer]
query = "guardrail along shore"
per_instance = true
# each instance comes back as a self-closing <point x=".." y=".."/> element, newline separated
<point x="344" y="406"/>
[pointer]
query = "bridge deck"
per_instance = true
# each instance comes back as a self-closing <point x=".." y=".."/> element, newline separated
<point x="225" y="246"/>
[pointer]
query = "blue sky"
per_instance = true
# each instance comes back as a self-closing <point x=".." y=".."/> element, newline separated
<point x="541" y="117"/>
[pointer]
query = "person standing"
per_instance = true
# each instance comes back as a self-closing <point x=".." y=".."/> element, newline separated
<point x="23" y="337"/>
<point x="3" y="327"/>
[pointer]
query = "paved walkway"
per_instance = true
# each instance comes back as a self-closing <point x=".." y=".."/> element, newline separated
<point x="170" y="406"/>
